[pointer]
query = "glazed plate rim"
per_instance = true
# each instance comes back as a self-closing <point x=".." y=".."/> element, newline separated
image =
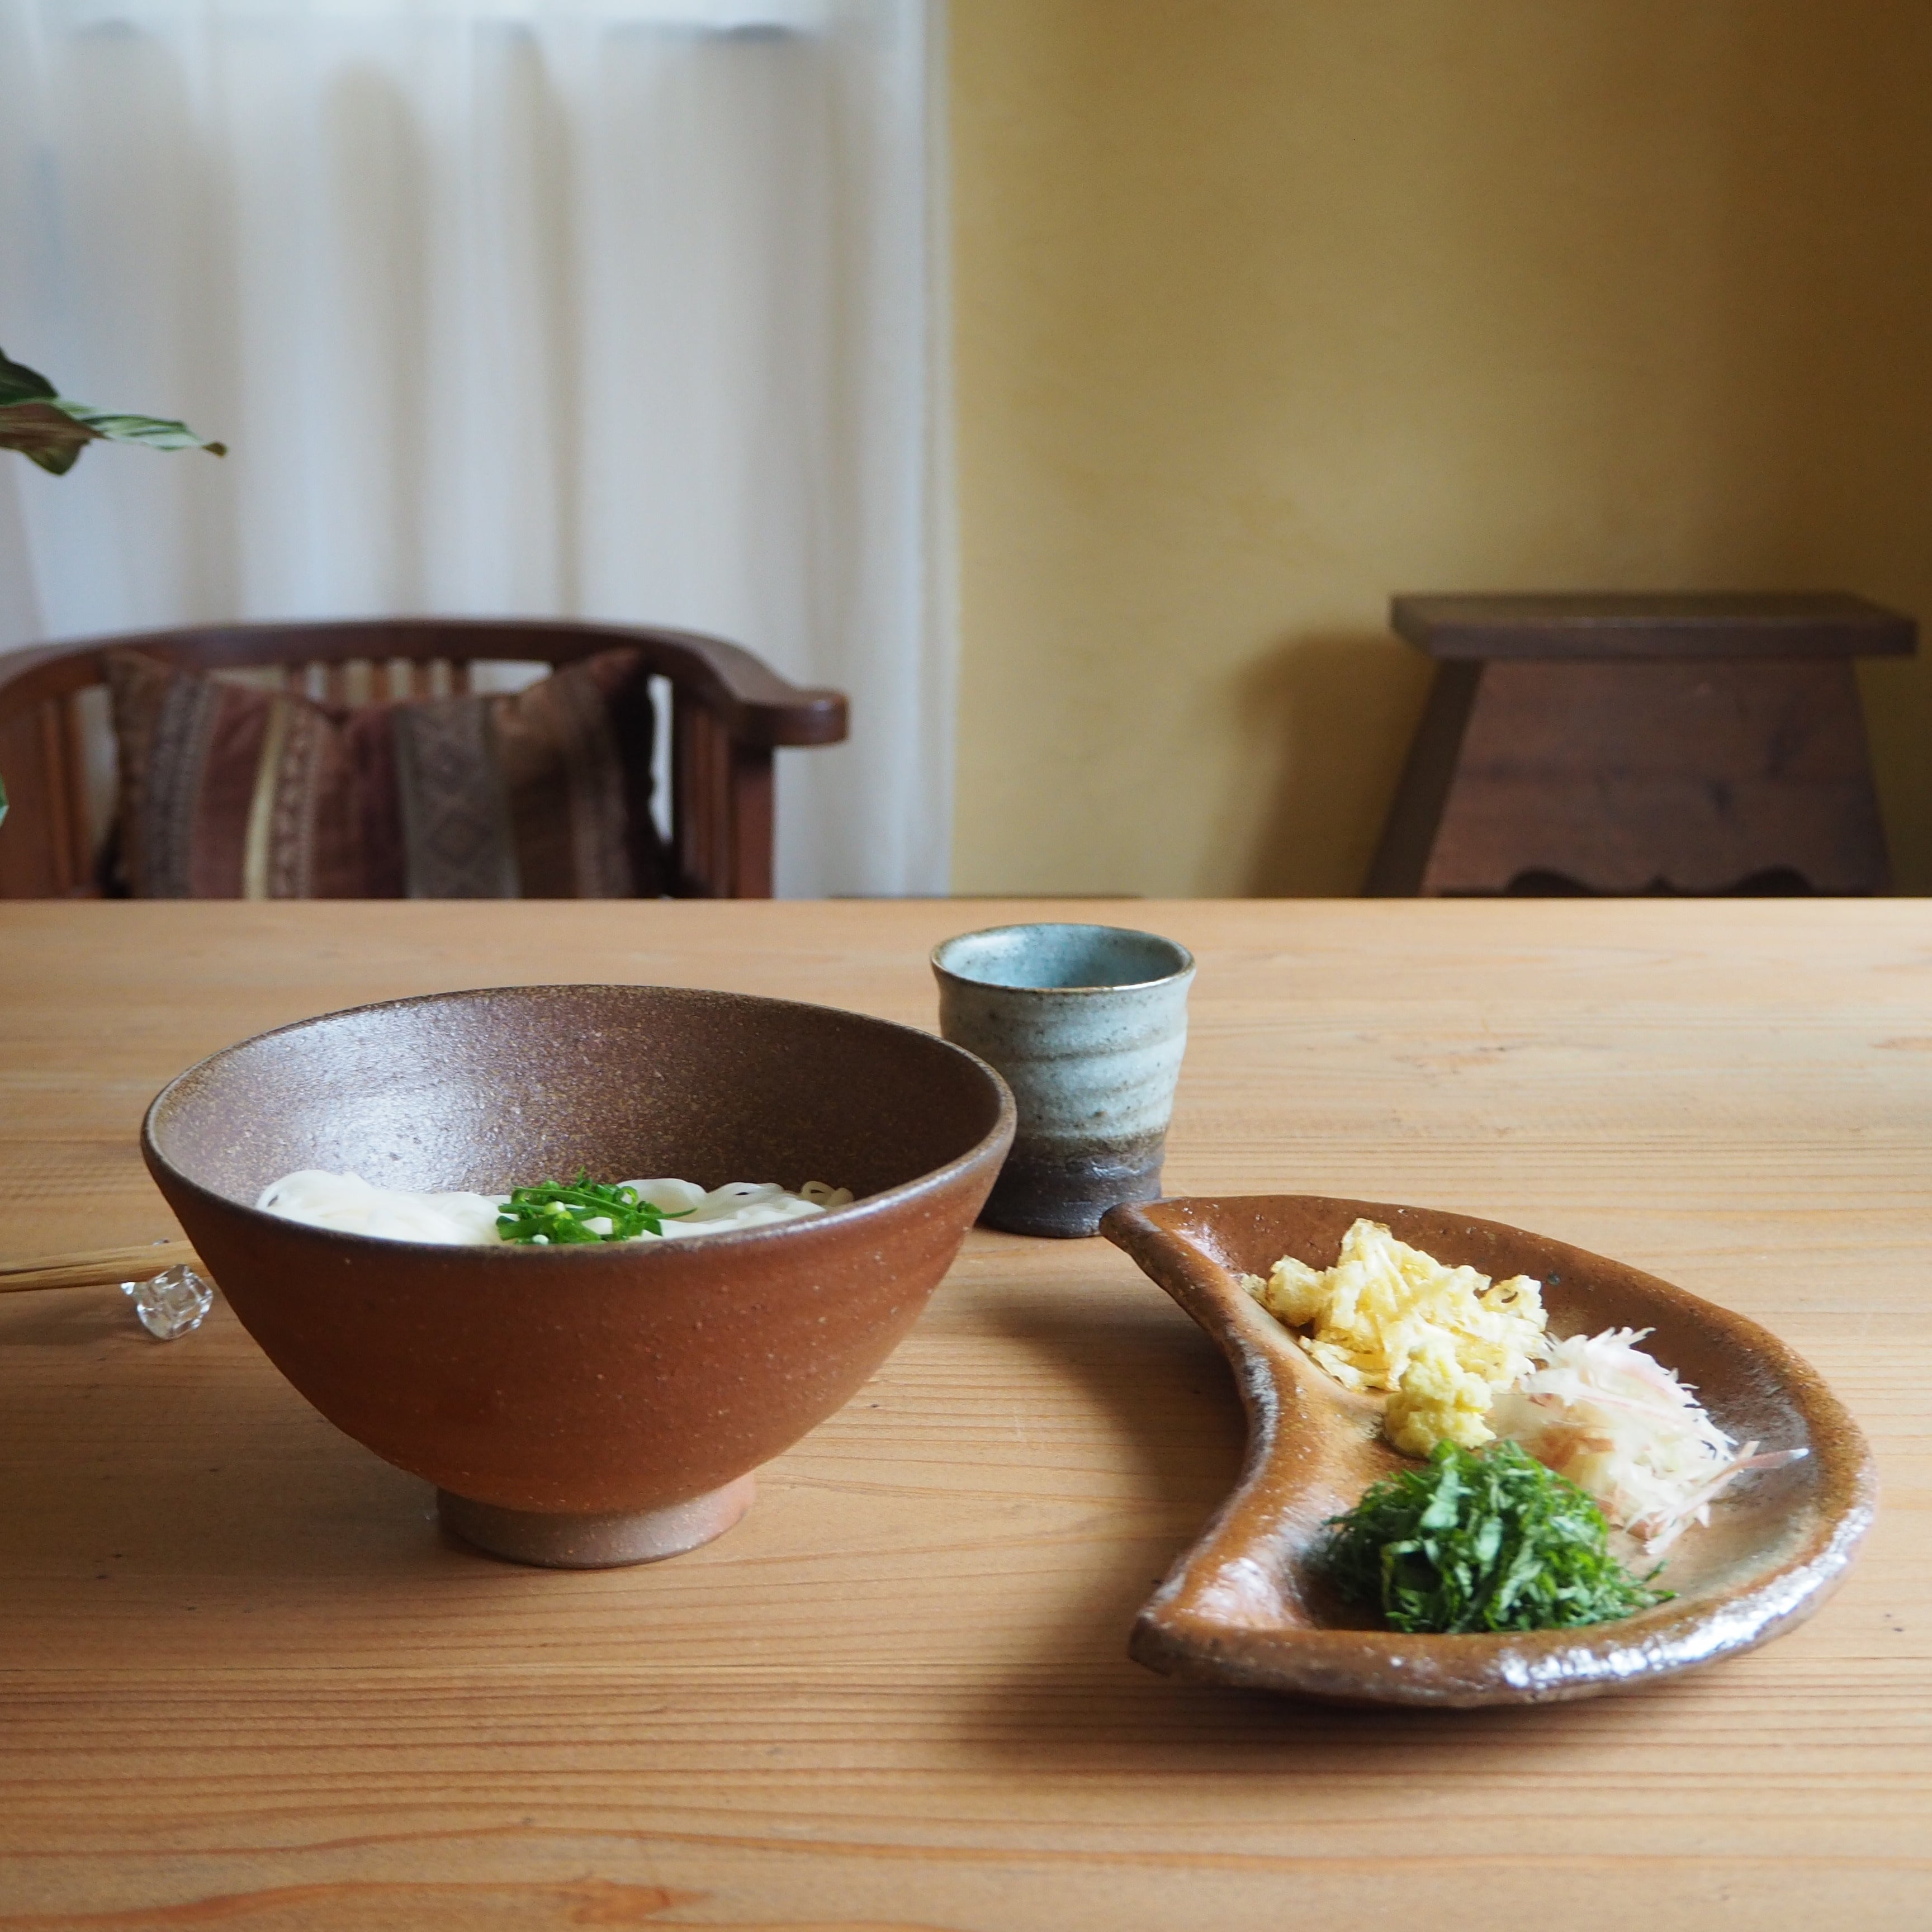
<point x="1174" y="1634"/>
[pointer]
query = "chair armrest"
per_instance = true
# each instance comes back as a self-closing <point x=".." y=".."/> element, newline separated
<point x="754" y="704"/>
<point x="50" y="672"/>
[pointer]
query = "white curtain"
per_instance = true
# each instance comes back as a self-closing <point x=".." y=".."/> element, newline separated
<point x="621" y="309"/>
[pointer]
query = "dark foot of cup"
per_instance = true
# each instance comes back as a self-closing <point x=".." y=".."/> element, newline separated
<point x="602" y="1542"/>
<point x="1064" y="1195"/>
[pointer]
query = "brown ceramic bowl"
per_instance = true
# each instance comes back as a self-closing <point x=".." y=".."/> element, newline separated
<point x="600" y="1403"/>
<point x="1248" y="1604"/>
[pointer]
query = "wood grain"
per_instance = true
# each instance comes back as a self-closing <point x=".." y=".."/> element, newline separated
<point x="245" y="1685"/>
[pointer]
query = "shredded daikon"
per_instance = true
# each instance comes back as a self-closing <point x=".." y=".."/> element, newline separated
<point x="1619" y="1424"/>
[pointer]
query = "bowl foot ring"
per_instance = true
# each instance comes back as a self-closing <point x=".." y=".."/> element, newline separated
<point x="602" y="1541"/>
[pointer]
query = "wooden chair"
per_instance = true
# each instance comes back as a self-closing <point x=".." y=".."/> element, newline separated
<point x="729" y="712"/>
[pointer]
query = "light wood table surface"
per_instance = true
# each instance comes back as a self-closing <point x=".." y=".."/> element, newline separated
<point x="243" y="1683"/>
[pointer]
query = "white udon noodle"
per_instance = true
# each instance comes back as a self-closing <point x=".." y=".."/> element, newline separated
<point x="353" y="1206"/>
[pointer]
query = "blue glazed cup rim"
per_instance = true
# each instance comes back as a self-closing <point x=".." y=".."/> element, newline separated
<point x="1183" y="970"/>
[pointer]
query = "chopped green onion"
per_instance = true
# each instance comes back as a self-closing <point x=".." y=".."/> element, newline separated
<point x="556" y="1212"/>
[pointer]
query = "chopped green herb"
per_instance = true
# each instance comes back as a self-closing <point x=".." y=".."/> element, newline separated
<point x="555" y="1212"/>
<point x="1488" y="1540"/>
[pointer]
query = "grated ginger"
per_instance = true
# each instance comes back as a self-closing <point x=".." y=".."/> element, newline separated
<point x="1443" y="1342"/>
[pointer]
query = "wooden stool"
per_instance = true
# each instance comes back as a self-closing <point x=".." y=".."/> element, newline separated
<point x="1640" y="744"/>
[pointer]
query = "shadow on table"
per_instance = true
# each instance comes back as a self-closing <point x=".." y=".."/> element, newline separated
<point x="133" y="1458"/>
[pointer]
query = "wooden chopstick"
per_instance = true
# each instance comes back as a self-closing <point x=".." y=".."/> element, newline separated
<point x="95" y="1267"/>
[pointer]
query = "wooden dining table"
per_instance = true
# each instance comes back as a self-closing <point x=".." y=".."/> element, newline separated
<point x="246" y="1683"/>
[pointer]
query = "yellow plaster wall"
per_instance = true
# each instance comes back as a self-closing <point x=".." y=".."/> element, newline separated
<point x="1268" y="308"/>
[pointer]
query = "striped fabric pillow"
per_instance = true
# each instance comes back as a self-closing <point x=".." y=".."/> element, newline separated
<point x="228" y="793"/>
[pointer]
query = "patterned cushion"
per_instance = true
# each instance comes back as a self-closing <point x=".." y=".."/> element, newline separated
<point x="228" y="793"/>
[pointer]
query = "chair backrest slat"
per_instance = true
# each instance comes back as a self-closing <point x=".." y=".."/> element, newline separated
<point x="60" y="728"/>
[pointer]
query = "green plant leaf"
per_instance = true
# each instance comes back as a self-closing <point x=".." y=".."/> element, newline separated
<point x="19" y="384"/>
<point x="51" y="430"/>
<point x="44" y="434"/>
<point x="157" y="432"/>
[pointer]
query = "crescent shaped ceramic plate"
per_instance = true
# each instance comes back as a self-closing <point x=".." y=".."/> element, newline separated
<point x="1248" y="1605"/>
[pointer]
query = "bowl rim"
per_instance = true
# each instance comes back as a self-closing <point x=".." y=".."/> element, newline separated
<point x="870" y="1205"/>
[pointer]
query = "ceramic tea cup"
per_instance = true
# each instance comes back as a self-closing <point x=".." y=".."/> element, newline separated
<point x="1088" y="1024"/>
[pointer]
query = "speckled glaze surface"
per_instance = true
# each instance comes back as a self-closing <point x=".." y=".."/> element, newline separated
<point x="1247" y="1605"/>
<point x="1088" y="1024"/>
<point x="600" y="1381"/>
